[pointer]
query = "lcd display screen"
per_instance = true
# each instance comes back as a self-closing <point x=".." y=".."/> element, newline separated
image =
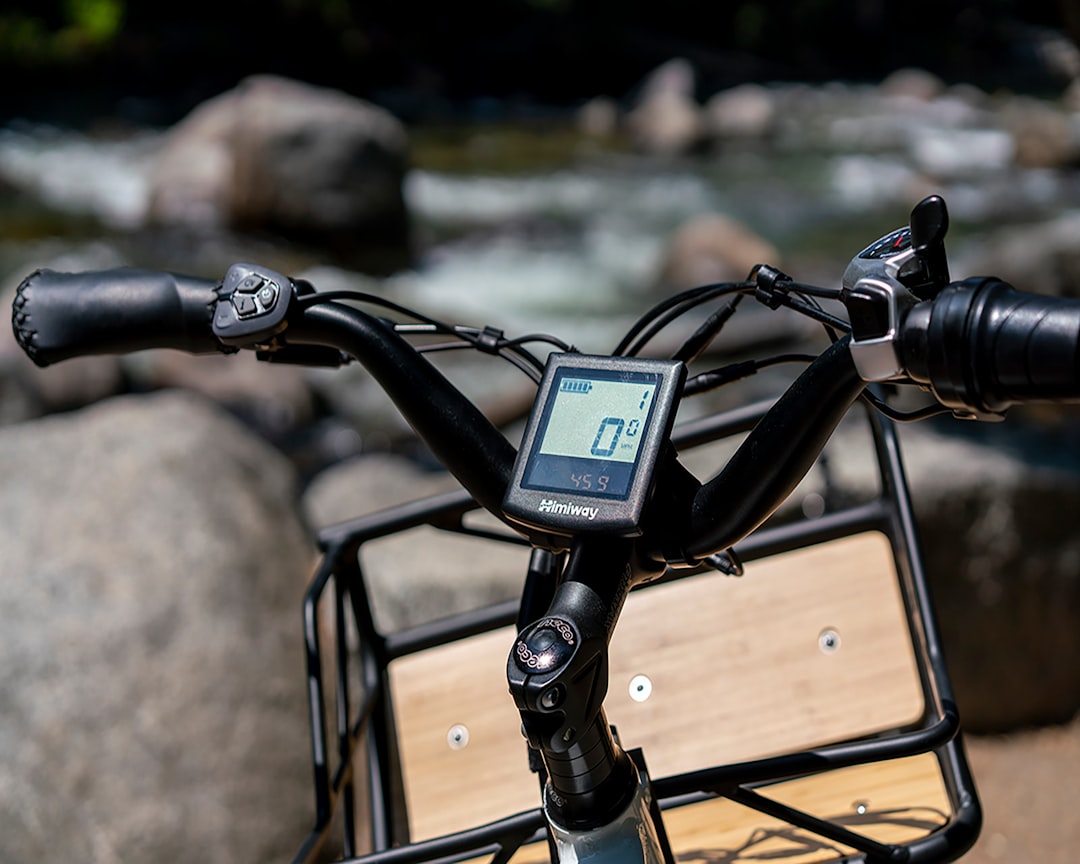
<point x="590" y="432"/>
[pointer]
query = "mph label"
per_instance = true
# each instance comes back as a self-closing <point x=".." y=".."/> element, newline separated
<point x="565" y="508"/>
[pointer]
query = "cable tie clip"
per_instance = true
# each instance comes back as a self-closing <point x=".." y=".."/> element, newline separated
<point x="490" y="340"/>
<point x="770" y="288"/>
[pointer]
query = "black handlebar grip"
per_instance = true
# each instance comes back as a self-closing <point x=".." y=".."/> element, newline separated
<point x="983" y="346"/>
<point x="57" y="316"/>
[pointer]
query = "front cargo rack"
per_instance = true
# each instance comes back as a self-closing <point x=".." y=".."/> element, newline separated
<point x="805" y="794"/>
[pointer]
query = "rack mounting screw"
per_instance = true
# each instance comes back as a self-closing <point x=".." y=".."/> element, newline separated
<point x="458" y="737"/>
<point x="829" y="641"/>
<point x="640" y="688"/>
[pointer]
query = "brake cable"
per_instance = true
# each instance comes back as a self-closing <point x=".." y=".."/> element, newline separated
<point x="487" y="339"/>
<point x="650" y="324"/>
<point x="770" y="286"/>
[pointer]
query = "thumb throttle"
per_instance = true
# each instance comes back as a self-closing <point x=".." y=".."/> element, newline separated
<point x="929" y="224"/>
<point x="912" y="256"/>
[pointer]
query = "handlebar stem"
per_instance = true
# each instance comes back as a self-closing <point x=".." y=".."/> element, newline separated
<point x="558" y="676"/>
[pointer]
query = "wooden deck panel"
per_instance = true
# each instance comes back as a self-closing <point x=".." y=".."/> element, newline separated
<point x="808" y="648"/>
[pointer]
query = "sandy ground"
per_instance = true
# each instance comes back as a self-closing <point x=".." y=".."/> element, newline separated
<point x="1029" y="784"/>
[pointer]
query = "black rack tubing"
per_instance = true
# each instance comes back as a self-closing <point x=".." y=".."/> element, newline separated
<point x="313" y="659"/>
<point x="441" y="511"/>
<point x="909" y="556"/>
<point x="340" y="567"/>
<point x="703" y="430"/>
<point x="873" y="515"/>
<point x="507" y="834"/>
<point x="343" y="781"/>
<point x="894" y="487"/>
<point x="959" y="785"/>
<point x="814" y="761"/>
<point x="828" y="830"/>
<point x="963" y="829"/>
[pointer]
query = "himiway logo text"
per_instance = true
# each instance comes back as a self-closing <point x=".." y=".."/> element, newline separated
<point x="565" y="508"/>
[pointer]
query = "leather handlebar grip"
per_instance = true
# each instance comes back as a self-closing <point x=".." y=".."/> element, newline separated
<point x="57" y="316"/>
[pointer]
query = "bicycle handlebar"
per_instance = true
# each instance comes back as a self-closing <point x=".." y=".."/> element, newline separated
<point x="979" y="346"/>
<point x="772" y="460"/>
<point x="459" y="435"/>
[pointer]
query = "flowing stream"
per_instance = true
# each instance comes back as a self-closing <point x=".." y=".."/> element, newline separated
<point x="551" y="223"/>
<point x="539" y="232"/>
<point x="538" y="228"/>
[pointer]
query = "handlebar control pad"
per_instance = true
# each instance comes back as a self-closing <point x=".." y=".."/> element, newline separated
<point x="253" y="305"/>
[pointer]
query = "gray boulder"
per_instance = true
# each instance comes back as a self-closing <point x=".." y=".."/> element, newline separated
<point x="598" y="118"/>
<point x="1045" y="135"/>
<point x="712" y="247"/>
<point x="912" y="83"/>
<point x="1043" y="257"/>
<point x="422" y="574"/>
<point x="282" y="156"/>
<point x="1002" y="554"/>
<point x="153" y="701"/>
<point x="747" y="112"/>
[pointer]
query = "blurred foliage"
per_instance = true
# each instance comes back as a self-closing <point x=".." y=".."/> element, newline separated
<point x="65" y="32"/>
<point x="98" y="20"/>
<point x="419" y="58"/>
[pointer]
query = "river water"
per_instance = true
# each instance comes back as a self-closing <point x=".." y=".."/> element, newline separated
<point x="514" y="218"/>
<point x="518" y="223"/>
<point x="537" y="227"/>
